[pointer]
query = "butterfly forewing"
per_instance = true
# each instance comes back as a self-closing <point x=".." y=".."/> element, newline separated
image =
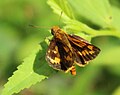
<point x="83" y="49"/>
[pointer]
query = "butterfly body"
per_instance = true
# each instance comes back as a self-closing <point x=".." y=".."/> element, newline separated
<point x="67" y="50"/>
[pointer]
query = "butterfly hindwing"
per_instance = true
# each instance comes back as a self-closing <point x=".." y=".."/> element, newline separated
<point x="53" y="56"/>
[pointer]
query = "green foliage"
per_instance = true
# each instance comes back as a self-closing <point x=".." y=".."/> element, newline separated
<point x="97" y="11"/>
<point x="61" y="6"/>
<point x="88" y="20"/>
<point x="33" y="69"/>
<point x="24" y="77"/>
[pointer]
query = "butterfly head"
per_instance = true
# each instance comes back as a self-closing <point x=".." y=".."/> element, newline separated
<point x="54" y="30"/>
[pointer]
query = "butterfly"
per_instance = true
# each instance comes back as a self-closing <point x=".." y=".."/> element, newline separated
<point x="65" y="51"/>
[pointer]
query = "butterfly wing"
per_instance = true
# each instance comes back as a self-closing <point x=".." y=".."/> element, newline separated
<point x="59" y="56"/>
<point x="84" y="51"/>
<point x="53" y="56"/>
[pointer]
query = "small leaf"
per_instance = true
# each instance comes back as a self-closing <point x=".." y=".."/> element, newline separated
<point x="25" y="76"/>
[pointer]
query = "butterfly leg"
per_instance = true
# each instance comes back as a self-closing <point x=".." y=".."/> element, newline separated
<point x="73" y="70"/>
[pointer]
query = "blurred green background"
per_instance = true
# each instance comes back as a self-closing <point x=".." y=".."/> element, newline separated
<point x="17" y="39"/>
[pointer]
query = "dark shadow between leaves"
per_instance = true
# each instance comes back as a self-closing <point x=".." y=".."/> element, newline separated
<point x="40" y="64"/>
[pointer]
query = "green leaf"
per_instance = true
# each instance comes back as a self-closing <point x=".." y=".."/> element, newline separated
<point x="25" y="76"/>
<point x="97" y="11"/>
<point x="116" y="17"/>
<point x="59" y="6"/>
<point x="86" y="32"/>
<point x="103" y="17"/>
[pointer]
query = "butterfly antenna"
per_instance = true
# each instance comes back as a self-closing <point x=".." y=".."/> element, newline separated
<point x="34" y="26"/>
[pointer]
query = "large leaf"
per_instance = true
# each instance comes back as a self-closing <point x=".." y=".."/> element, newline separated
<point x="34" y="69"/>
<point x="80" y="28"/>
<point x="96" y="11"/>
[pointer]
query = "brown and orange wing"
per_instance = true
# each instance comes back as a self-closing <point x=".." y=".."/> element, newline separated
<point x="84" y="51"/>
<point x="53" y="56"/>
<point x="59" y="56"/>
